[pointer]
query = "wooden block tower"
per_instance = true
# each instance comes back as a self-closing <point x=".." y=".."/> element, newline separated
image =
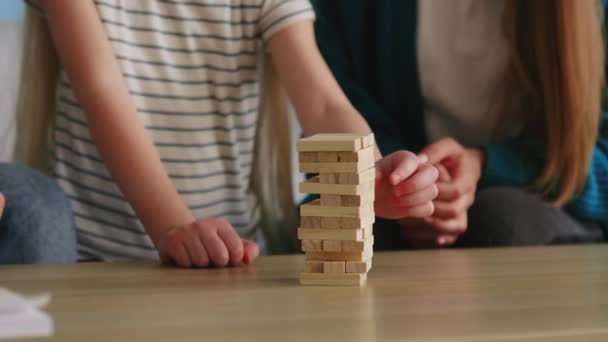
<point x="336" y="230"/>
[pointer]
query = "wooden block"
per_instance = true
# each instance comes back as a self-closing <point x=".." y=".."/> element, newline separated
<point x="368" y="140"/>
<point x="366" y="176"/>
<point x="315" y="208"/>
<point x="308" y="157"/>
<point x="332" y="246"/>
<point x="312" y="186"/>
<point x="313" y="266"/>
<point x="357" y="200"/>
<point x="323" y="279"/>
<point x="312" y="245"/>
<point x="366" y="154"/>
<point x="331" y="200"/>
<point x="340" y="142"/>
<point x="333" y="167"/>
<point x="365" y="160"/>
<point x="335" y="267"/>
<point x="368" y="232"/>
<point x="330" y="178"/>
<point x="348" y="157"/>
<point x="310" y="222"/>
<point x="331" y="234"/>
<point x="351" y="200"/>
<point x="330" y="223"/>
<point x="357" y="222"/>
<point x="340" y="256"/>
<point x="348" y="200"/>
<point x="328" y="157"/>
<point x="357" y="246"/>
<point x="349" y="178"/>
<point x="356" y="266"/>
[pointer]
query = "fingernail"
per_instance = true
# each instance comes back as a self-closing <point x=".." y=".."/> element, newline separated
<point x="442" y="241"/>
<point x="396" y="178"/>
<point x="423" y="158"/>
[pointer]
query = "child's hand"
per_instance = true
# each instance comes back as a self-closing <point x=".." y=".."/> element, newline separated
<point x="1" y="204"/>
<point x="206" y="242"/>
<point x="405" y="186"/>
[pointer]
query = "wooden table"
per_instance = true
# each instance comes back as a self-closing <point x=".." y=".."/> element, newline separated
<point x="533" y="294"/>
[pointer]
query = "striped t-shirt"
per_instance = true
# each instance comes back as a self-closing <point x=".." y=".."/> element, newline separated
<point x="191" y="68"/>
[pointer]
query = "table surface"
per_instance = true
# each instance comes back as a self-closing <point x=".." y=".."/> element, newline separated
<point x="530" y="294"/>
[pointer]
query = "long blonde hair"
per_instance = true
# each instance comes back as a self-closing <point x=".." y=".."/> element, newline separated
<point x="557" y="63"/>
<point x="271" y="175"/>
<point x="36" y="98"/>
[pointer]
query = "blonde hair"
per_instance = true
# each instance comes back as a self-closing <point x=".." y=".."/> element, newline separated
<point x="557" y="63"/>
<point x="271" y="174"/>
<point x="36" y="98"/>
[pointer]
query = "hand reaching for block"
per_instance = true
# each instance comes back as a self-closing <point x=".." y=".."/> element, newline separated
<point x="405" y="186"/>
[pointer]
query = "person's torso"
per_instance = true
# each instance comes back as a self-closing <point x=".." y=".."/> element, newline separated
<point x="463" y="57"/>
<point x="191" y="70"/>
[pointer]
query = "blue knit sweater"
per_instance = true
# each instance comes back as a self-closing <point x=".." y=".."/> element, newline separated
<point x="371" y="48"/>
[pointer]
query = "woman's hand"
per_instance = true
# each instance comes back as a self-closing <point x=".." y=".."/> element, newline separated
<point x="206" y="242"/>
<point x="405" y="186"/>
<point x="460" y="170"/>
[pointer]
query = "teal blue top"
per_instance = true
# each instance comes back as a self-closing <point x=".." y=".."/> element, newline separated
<point x="371" y="48"/>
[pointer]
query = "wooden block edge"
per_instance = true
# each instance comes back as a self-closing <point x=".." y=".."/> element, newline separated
<point x="321" y="279"/>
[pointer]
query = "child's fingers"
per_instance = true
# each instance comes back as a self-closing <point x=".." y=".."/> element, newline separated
<point x="418" y="198"/>
<point x="233" y="242"/>
<point x="196" y="251"/>
<point x="403" y="165"/>
<point x="216" y="249"/>
<point x="177" y="252"/>
<point x="252" y="250"/>
<point x="397" y="166"/>
<point x="1" y="204"/>
<point x="425" y="176"/>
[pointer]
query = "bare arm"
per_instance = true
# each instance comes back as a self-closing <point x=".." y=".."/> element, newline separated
<point x="318" y="99"/>
<point x="127" y="150"/>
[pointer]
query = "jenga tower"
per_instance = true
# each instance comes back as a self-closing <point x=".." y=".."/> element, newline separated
<point x="336" y="230"/>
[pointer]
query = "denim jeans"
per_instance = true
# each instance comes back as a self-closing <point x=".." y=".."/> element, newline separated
<point x="37" y="225"/>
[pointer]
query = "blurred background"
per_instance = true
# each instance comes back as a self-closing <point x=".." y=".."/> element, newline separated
<point x="11" y="13"/>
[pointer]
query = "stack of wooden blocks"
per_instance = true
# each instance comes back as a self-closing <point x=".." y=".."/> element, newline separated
<point x="337" y="229"/>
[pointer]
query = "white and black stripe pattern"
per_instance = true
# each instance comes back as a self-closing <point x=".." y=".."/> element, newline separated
<point x="191" y="69"/>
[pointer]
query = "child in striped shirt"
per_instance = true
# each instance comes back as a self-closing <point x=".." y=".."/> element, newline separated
<point x="157" y="113"/>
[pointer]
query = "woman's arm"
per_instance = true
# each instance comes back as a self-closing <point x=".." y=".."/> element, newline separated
<point x="127" y="150"/>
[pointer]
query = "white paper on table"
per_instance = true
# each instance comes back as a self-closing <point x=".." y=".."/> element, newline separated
<point x="21" y="316"/>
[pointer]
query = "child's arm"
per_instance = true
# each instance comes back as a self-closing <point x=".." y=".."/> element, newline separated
<point x="406" y="187"/>
<point x="127" y="150"/>
<point x="319" y="102"/>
